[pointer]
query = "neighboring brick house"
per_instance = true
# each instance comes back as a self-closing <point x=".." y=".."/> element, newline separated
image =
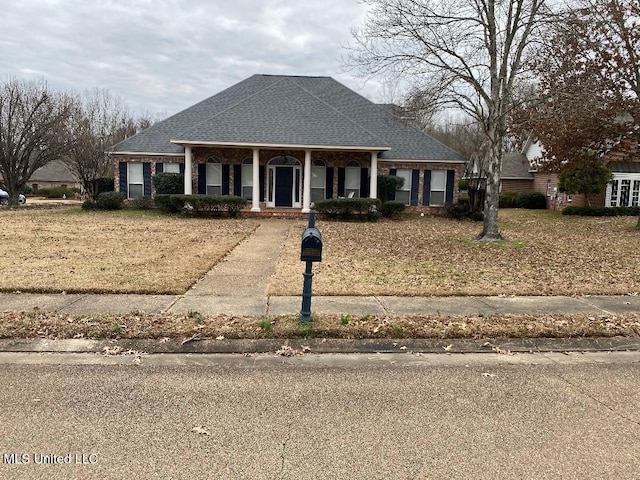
<point x="287" y="141"/>
<point x="516" y="174"/>
<point x="623" y="190"/>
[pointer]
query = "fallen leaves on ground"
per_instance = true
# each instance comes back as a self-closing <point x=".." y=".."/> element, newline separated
<point x="544" y="253"/>
<point x="183" y="328"/>
<point x="125" y="251"/>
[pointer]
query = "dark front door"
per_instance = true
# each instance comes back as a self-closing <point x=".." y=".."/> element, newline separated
<point x="284" y="186"/>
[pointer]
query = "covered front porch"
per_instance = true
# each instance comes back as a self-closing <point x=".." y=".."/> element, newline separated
<point x="280" y="177"/>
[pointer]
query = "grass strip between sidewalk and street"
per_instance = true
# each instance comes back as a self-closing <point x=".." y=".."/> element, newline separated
<point x="140" y="325"/>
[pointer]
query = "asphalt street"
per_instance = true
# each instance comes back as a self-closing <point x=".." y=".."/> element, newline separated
<point x="373" y="416"/>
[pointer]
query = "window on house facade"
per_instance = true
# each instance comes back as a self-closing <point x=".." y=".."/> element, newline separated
<point x="318" y="180"/>
<point x="214" y="177"/>
<point x="352" y="180"/>
<point x="171" y="168"/>
<point x="438" y="187"/>
<point x="403" y="194"/>
<point x="135" y="179"/>
<point x="247" y="178"/>
<point x="623" y="191"/>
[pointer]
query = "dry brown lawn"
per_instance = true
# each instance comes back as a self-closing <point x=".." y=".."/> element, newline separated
<point x="544" y="253"/>
<point x="125" y="251"/>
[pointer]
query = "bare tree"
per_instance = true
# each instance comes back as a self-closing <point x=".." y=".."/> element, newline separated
<point x="33" y="123"/>
<point x="99" y="121"/>
<point x="474" y="48"/>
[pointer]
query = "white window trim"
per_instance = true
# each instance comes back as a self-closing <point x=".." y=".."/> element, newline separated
<point x="438" y="190"/>
<point x="130" y="176"/>
<point x="619" y="177"/>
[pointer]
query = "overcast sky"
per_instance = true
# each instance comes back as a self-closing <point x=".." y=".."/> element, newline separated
<point x="162" y="56"/>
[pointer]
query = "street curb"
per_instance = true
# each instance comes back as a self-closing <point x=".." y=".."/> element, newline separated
<point x="320" y="345"/>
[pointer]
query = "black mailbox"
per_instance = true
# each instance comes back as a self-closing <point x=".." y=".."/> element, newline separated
<point x="311" y="246"/>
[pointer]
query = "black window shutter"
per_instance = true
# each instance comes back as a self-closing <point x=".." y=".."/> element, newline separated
<point x="451" y="177"/>
<point x="364" y="182"/>
<point x="341" y="178"/>
<point x="123" y="184"/>
<point x="415" y="183"/>
<point x="146" y="177"/>
<point x="426" y="194"/>
<point x="237" y="180"/>
<point x="262" y="194"/>
<point x="329" y="180"/>
<point x="225" y="178"/>
<point x="202" y="178"/>
<point x="159" y="167"/>
<point x="182" y="168"/>
<point x="392" y="172"/>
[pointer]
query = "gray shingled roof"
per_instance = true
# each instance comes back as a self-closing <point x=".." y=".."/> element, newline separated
<point x="286" y="110"/>
<point x="515" y="166"/>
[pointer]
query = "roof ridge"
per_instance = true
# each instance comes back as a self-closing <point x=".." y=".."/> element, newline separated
<point x="384" y="142"/>
<point x="244" y="99"/>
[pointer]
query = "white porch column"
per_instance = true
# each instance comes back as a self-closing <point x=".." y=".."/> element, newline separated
<point x="306" y="191"/>
<point x="255" y="190"/>
<point x="373" y="185"/>
<point x="188" y="177"/>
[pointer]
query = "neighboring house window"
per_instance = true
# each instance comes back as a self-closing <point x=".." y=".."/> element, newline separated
<point x="35" y="187"/>
<point x="318" y="180"/>
<point x="438" y="187"/>
<point x="352" y="180"/>
<point x="171" y="168"/>
<point x="247" y="178"/>
<point x="214" y="177"/>
<point x="623" y="191"/>
<point x="135" y="177"/>
<point x="403" y="194"/>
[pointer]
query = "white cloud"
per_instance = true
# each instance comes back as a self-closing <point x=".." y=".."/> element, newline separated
<point x="165" y="55"/>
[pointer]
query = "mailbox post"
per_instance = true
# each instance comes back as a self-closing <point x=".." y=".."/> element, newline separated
<point x="311" y="251"/>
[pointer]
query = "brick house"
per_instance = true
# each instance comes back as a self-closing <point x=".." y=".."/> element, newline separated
<point x="623" y="190"/>
<point x="287" y="141"/>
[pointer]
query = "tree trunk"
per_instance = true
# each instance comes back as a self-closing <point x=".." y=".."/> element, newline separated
<point x="490" y="230"/>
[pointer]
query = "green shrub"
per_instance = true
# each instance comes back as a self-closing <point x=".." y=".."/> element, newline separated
<point x="392" y="208"/>
<point x="89" y="205"/>
<point x="110" y="201"/>
<point x="388" y="185"/>
<point x="348" y="208"/>
<point x="168" y="183"/>
<point x="531" y="200"/>
<point x="462" y="210"/>
<point x="507" y="199"/>
<point x="143" y="203"/>
<point x="463" y="184"/>
<point x="586" y="211"/>
<point x="27" y="190"/>
<point x="201" y="204"/>
<point x="58" y="192"/>
<point x="167" y="203"/>
<point x="103" y="184"/>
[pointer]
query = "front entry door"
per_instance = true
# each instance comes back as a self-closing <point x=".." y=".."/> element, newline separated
<point x="284" y="187"/>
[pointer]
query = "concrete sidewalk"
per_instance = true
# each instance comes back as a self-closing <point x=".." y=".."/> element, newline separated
<point x="275" y="305"/>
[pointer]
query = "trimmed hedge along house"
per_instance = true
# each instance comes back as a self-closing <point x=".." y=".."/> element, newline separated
<point x="287" y="141"/>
